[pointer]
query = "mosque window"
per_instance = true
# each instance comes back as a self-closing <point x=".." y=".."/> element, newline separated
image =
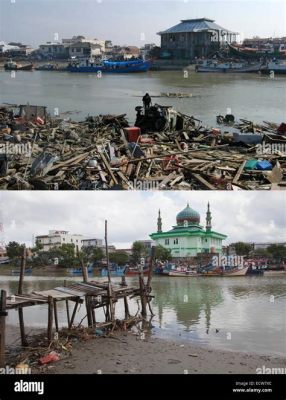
<point x="185" y="223"/>
<point x="166" y="241"/>
<point x="176" y="241"/>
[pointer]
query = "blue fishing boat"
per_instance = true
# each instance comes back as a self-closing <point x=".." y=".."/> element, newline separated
<point x="28" y="271"/>
<point x="112" y="67"/>
<point x="78" y="271"/>
<point x="115" y="271"/>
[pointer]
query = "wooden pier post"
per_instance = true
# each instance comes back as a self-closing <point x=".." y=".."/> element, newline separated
<point x="68" y="312"/>
<point x="110" y="294"/>
<point x="56" y="315"/>
<point x="142" y="292"/>
<point x="50" y="317"/>
<point x="83" y="267"/>
<point x="20" y="291"/>
<point x="3" y="315"/>
<point x="150" y="275"/>
<point x="87" y="298"/>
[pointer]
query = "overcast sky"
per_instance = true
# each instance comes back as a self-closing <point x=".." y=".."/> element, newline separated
<point x="132" y="215"/>
<point x="122" y="21"/>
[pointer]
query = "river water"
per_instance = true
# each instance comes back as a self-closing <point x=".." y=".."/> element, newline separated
<point x="243" y="313"/>
<point x="251" y="96"/>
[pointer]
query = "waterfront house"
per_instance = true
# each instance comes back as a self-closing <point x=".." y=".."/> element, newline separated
<point x="54" y="50"/>
<point x="194" y="38"/>
<point x="92" y="243"/>
<point x="188" y="238"/>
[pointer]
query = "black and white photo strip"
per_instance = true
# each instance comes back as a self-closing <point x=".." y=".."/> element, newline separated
<point x="142" y="202"/>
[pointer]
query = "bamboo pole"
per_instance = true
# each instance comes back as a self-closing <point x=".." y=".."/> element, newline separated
<point x="68" y="312"/>
<point x="20" y="291"/>
<point x="110" y="294"/>
<point x="83" y="267"/>
<point x="73" y="314"/>
<point x="150" y="275"/>
<point x="3" y="315"/>
<point x="56" y="315"/>
<point x="50" y="317"/>
<point x="85" y="280"/>
<point x="142" y="292"/>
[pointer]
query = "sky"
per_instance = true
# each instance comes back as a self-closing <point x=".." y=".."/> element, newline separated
<point x="132" y="215"/>
<point x="35" y="22"/>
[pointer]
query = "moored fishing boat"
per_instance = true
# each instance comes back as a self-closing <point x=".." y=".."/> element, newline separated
<point x="115" y="67"/>
<point x="28" y="271"/>
<point x="256" y="53"/>
<point x="224" y="271"/>
<point x="78" y="271"/>
<point x="275" y="272"/>
<point x="115" y="271"/>
<point x="227" y="67"/>
<point x="183" y="271"/>
<point x="133" y="271"/>
<point x="278" y="67"/>
<point x="12" y="66"/>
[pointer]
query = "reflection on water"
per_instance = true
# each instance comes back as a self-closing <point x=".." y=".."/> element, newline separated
<point x="243" y="313"/>
<point x="248" y="95"/>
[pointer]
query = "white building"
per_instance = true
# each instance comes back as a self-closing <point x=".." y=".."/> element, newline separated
<point x="57" y="238"/>
<point x="56" y="50"/>
<point x="92" y="243"/>
<point x="79" y="46"/>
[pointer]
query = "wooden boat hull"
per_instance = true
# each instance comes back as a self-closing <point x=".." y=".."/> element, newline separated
<point x="186" y="273"/>
<point x="117" y="273"/>
<point x="226" y="273"/>
<point x="274" y="273"/>
<point x="250" y="69"/>
<point x="77" y="271"/>
<point x="18" y="68"/>
<point x="136" y="273"/>
<point x="17" y="272"/>
<point x="253" y="54"/>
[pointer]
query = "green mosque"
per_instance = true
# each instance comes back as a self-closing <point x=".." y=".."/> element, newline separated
<point x="188" y="237"/>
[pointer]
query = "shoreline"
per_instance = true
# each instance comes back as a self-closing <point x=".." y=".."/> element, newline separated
<point x="125" y="353"/>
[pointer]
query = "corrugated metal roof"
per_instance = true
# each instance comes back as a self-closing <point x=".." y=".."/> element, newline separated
<point x="193" y="25"/>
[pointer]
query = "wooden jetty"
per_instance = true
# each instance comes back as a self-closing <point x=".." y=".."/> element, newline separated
<point x="95" y="294"/>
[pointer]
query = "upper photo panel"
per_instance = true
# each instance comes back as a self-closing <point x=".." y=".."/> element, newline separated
<point x="142" y="95"/>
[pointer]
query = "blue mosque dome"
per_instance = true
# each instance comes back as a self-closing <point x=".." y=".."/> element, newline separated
<point x="188" y="214"/>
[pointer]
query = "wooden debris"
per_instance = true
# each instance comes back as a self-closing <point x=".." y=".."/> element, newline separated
<point x="95" y="154"/>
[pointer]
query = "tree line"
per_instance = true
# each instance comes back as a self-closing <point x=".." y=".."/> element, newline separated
<point x="66" y="255"/>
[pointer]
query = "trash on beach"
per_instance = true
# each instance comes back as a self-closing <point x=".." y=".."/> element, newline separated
<point x="51" y="357"/>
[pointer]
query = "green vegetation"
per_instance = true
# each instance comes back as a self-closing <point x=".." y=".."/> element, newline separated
<point x="120" y="258"/>
<point x="162" y="254"/>
<point x="242" y="249"/>
<point x="138" y="251"/>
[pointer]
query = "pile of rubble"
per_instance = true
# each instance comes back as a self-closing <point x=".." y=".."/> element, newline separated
<point x="104" y="152"/>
